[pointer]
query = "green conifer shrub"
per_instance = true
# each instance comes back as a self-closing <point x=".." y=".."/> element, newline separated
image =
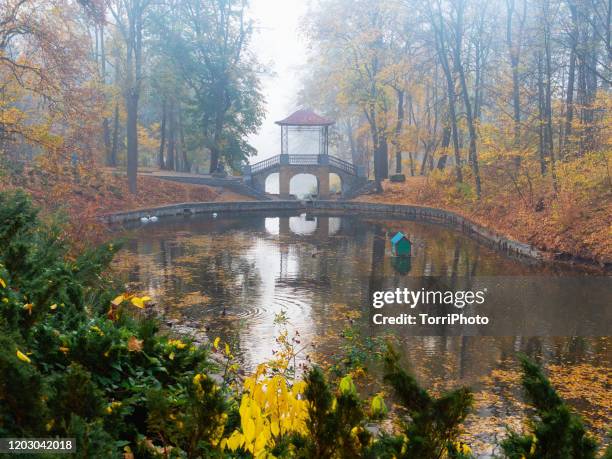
<point x="433" y="424"/>
<point x="69" y="369"/>
<point x="556" y="432"/>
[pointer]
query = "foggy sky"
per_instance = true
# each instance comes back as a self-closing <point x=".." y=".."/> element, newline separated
<point x="280" y="46"/>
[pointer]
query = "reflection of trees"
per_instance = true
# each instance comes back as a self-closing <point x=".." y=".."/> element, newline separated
<point x="376" y="279"/>
<point x="195" y="256"/>
<point x="454" y="360"/>
<point x="215" y="257"/>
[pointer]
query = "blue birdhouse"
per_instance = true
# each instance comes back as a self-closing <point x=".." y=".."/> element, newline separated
<point x="401" y="245"/>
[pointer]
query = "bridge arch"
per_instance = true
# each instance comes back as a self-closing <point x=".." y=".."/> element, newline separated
<point x="336" y="183"/>
<point x="302" y="184"/>
<point x="271" y="183"/>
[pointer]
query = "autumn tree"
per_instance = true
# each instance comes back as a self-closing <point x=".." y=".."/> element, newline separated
<point x="208" y="44"/>
<point x="358" y="54"/>
<point x="514" y="88"/>
<point x="45" y="101"/>
<point x="129" y="17"/>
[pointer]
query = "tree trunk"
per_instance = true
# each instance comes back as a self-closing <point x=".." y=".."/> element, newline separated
<point x="349" y="132"/>
<point x="379" y="144"/>
<point x="569" y="102"/>
<point x="105" y="121"/>
<point x="514" y="50"/>
<point x="451" y="95"/>
<point x="185" y="162"/>
<point x="131" y="102"/>
<point x="398" y="129"/>
<point x="473" y="153"/>
<point x="542" y="143"/>
<point x="170" y="157"/>
<point x="162" y="137"/>
<point x="548" y="128"/>
<point x="132" y="140"/>
<point x="115" y="142"/>
<point x="215" y="151"/>
<point x="115" y="139"/>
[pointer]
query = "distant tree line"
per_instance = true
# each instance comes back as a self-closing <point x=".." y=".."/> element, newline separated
<point x="137" y="82"/>
<point x="464" y="83"/>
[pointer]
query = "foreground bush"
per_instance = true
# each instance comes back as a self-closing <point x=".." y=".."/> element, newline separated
<point x="74" y="363"/>
<point x="556" y="431"/>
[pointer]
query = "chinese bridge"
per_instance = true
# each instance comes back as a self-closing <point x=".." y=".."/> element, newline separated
<point x="320" y="164"/>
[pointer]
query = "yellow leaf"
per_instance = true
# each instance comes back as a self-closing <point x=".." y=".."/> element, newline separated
<point x="24" y="358"/>
<point x="235" y="441"/>
<point x="28" y="307"/>
<point x="347" y="386"/>
<point x="378" y="407"/>
<point x="117" y="301"/>
<point x="2" y="283"/>
<point x="140" y="302"/>
<point x="274" y="428"/>
<point x="97" y="330"/>
<point x="249" y="430"/>
<point x="53" y="307"/>
<point x="260" y="443"/>
<point x="64" y="349"/>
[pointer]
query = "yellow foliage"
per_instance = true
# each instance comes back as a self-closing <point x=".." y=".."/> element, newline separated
<point x="24" y="358"/>
<point x="269" y="409"/>
<point x="139" y="302"/>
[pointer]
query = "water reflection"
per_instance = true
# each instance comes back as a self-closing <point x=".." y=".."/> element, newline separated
<point x="220" y="271"/>
<point x="233" y="274"/>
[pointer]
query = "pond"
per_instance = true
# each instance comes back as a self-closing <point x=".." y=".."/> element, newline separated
<point x="232" y="275"/>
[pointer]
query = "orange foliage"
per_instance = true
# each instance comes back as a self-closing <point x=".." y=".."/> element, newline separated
<point x="85" y="193"/>
<point x="570" y="223"/>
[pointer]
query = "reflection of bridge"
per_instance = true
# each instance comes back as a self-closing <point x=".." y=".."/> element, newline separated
<point x="296" y="226"/>
<point x="319" y="165"/>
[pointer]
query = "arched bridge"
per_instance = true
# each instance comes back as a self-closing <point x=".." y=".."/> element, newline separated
<point x="288" y="166"/>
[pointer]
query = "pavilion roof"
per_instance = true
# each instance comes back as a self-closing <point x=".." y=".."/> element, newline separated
<point x="305" y="117"/>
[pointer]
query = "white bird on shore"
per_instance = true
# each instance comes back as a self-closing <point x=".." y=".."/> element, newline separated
<point x="153" y="218"/>
<point x="144" y="219"/>
<point x="214" y="214"/>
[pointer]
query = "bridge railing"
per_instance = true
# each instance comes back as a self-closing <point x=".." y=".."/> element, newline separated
<point x="342" y="165"/>
<point x="303" y="160"/>
<point x="265" y="164"/>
